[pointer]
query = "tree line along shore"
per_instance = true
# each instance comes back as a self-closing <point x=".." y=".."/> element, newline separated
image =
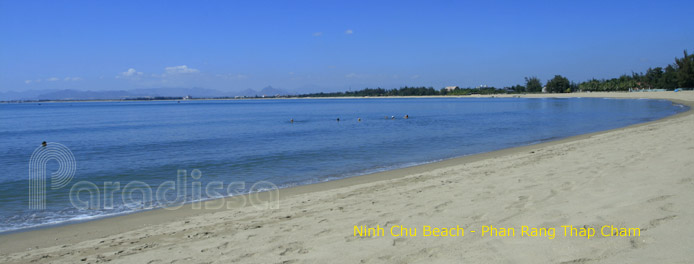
<point x="679" y="74"/>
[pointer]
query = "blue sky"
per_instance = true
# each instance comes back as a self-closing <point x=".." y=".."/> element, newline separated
<point x="331" y="45"/>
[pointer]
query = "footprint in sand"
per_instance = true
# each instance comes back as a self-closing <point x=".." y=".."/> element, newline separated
<point x="398" y="241"/>
<point x="667" y="207"/>
<point x="439" y="208"/>
<point x="520" y="203"/>
<point x="223" y="245"/>
<point x="656" y="222"/>
<point x="391" y="222"/>
<point x="323" y="232"/>
<point x="659" y="198"/>
<point x="637" y="242"/>
<point x="294" y="247"/>
<point x="577" y="261"/>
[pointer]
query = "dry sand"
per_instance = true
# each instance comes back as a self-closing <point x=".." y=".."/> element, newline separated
<point x="640" y="176"/>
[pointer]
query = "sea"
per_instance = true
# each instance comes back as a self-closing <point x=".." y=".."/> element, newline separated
<point x="101" y="156"/>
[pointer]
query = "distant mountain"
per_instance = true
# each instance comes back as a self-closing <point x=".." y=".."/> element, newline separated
<point x="180" y="92"/>
<point x="84" y="95"/>
<point x="122" y="94"/>
<point x="23" y="95"/>
<point x="247" y="92"/>
<point x="195" y="92"/>
<point x="111" y="94"/>
<point x="267" y="91"/>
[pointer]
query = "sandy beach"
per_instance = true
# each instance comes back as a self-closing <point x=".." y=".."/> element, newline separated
<point x="639" y="176"/>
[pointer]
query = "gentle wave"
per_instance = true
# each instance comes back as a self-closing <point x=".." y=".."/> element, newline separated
<point x="254" y="141"/>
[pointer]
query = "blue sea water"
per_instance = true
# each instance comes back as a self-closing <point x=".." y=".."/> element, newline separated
<point x="253" y="140"/>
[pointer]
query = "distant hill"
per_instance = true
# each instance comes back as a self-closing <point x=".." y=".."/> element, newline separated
<point x="267" y="91"/>
<point x="23" y="95"/>
<point x="247" y="92"/>
<point x="69" y="94"/>
<point x="180" y="92"/>
<point x="195" y="92"/>
<point x="83" y="95"/>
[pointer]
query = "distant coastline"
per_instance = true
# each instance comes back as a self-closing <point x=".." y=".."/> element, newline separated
<point x="181" y="99"/>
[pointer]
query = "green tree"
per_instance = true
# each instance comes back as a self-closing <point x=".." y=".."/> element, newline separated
<point x="652" y="77"/>
<point x="685" y="71"/>
<point x="669" y="79"/>
<point x="516" y="88"/>
<point x="533" y="85"/>
<point x="592" y="85"/>
<point x="558" y="84"/>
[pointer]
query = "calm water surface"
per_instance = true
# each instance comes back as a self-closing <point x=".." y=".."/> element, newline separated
<point x="252" y="140"/>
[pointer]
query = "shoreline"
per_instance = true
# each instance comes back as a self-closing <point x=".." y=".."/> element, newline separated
<point x="373" y="176"/>
<point x="65" y="234"/>
<point x="508" y="95"/>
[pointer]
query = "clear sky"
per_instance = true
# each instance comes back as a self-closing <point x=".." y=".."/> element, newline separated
<point x="331" y="45"/>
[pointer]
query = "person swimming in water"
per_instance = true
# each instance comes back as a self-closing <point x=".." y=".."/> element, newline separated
<point x="291" y="120"/>
<point x="359" y="119"/>
<point x="392" y="117"/>
<point x="44" y="144"/>
<point x="338" y="119"/>
<point x="407" y="116"/>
